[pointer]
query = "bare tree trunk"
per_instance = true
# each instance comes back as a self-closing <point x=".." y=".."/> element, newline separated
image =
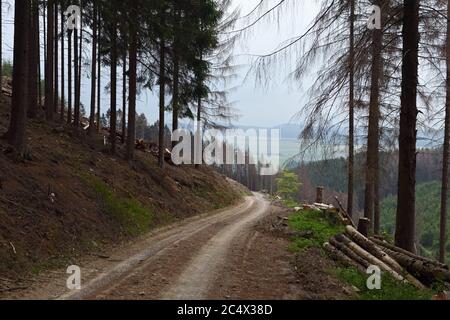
<point x="33" y="43"/>
<point x="374" y="130"/>
<point x="56" y="85"/>
<point x="80" y="57"/>
<point x="124" y="97"/>
<point x="131" y="136"/>
<point x="49" y="74"/>
<point x="113" y="121"/>
<point x="99" y="88"/>
<point x="93" y="72"/>
<point x="351" y="142"/>
<point x="76" y="113"/>
<point x="16" y="132"/>
<point x="406" y="217"/>
<point x="162" y="77"/>
<point x="445" y="162"/>
<point x="175" y="98"/>
<point x="69" y="77"/>
<point x="1" y="41"/>
<point x="63" y="71"/>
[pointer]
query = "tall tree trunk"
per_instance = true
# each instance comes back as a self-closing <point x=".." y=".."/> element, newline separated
<point x="33" y="60"/>
<point x="49" y="74"/>
<point x="124" y="97"/>
<point x="374" y="130"/>
<point x="76" y="113"/>
<point x="162" y="77"/>
<point x="351" y="139"/>
<point x="1" y="41"/>
<point x="113" y="121"/>
<point x="38" y="43"/>
<point x="131" y="136"/>
<point x="80" y="56"/>
<point x="99" y="87"/>
<point x="175" y="98"/>
<point x="406" y="217"/>
<point x="93" y="72"/>
<point x="69" y="77"/>
<point x="16" y="132"/>
<point x="445" y="162"/>
<point x="63" y="66"/>
<point x="56" y="85"/>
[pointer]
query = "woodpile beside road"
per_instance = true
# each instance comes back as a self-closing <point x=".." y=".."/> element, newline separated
<point x="355" y="249"/>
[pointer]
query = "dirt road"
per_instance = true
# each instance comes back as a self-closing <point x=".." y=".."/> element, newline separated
<point x="229" y="254"/>
<point x="182" y="263"/>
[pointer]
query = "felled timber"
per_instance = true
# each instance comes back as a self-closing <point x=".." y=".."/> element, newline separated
<point x="349" y="252"/>
<point x="369" y="257"/>
<point x="377" y="252"/>
<point x="409" y="254"/>
<point x="341" y="257"/>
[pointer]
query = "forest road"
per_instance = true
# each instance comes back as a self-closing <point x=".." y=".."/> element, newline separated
<point x="185" y="262"/>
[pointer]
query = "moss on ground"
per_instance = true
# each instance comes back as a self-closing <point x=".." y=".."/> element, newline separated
<point x="135" y="218"/>
<point x="321" y="226"/>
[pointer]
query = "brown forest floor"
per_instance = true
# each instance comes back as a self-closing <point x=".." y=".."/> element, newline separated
<point x="98" y="199"/>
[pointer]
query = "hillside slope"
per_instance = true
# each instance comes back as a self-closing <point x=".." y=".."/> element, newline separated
<point x="70" y="197"/>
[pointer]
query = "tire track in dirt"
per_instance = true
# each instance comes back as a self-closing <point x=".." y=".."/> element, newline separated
<point x="201" y="272"/>
<point x="156" y="248"/>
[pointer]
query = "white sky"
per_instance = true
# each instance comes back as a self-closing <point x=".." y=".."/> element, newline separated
<point x="267" y="106"/>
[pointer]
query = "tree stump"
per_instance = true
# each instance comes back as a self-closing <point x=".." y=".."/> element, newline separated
<point x="319" y="195"/>
<point x="364" y="226"/>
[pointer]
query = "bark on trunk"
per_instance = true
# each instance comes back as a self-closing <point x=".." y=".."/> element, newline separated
<point x="49" y="74"/>
<point x="131" y="136"/>
<point x="406" y="217"/>
<point x="33" y="61"/>
<point x="56" y="83"/>
<point x="93" y="72"/>
<point x="445" y="162"/>
<point x="16" y="133"/>
<point x="374" y="130"/>
<point x="63" y="67"/>
<point x="76" y="111"/>
<point x="113" y="121"/>
<point x="351" y="142"/>
<point x="161" y="102"/>
<point x="124" y="97"/>
<point x="69" y="77"/>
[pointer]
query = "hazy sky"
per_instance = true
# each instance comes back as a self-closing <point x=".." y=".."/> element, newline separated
<point x="258" y="106"/>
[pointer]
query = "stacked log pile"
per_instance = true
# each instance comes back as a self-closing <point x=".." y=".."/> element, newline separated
<point x="354" y="249"/>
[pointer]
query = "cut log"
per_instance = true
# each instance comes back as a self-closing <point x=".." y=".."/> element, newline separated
<point x="407" y="253"/>
<point x="377" y="252"/>
<point x="350" y="253"/>
<point x="421" y="269"/>
<point x="369" y="257"/>
<point x="339" y="256"/>
<point x="364" y="226"/>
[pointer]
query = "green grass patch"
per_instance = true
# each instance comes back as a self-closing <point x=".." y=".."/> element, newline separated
<point x="321" y="225"/>
<point x="131" y="214"/>
<point x="391" y="289"/>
